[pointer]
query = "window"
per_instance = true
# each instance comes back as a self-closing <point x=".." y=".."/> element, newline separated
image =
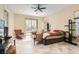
<point x="77" y="22"/>
<point x="2" y="24"/>
<point x="31" y="25"/>
<point x="77" y="27"/>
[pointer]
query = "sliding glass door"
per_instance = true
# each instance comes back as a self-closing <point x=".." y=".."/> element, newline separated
<point x="31" y="25"/>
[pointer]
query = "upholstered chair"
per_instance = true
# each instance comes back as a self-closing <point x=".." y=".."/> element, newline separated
<point x="19" y="34"/>
<point x="38" y="36"/>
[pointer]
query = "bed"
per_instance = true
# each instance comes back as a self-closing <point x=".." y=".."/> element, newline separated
<point x="53" y="37"/>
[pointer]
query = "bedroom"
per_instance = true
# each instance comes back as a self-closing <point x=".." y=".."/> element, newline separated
<point x="25" y="17"/>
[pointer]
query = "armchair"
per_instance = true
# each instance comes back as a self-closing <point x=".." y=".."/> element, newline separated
<point x="19" y="34"/>
<point x="37" y="36"/>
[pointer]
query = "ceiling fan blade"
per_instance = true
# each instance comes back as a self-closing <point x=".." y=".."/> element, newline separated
<point x="43" y="8"/>
<point x="36" y="10"/>
<point x="40" y="10"/>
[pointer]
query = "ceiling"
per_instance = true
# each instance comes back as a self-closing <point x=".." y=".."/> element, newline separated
<point x="27" y="10"/>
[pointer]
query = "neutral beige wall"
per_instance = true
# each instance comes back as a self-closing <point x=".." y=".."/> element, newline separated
<point x="10" y="18"/>
<point x="59" y="19"/>
<point x="19" y="21"/>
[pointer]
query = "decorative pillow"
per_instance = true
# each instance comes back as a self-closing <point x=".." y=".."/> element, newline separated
<point x="54" y="33"/>
<point x="56" y="30"/>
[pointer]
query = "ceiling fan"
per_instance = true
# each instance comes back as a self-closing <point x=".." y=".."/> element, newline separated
<point x="39" y="7"/>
